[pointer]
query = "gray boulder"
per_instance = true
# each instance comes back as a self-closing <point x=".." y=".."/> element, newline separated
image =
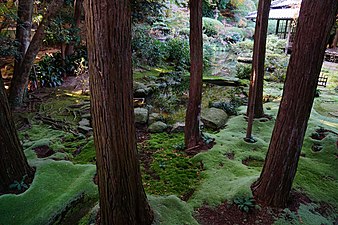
<point x="214" y="118"/>
<point x="141" y="115"/>
<point x="157" y="127"/>
<point x="153" y="117"/>
<point x="178" y="127"/>
<point x="84" y="122"/>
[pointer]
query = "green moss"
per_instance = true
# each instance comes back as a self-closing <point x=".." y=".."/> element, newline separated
<point x="172" y="171"/>
<point x="87" y="154"/>
<point x="306" y="214"/>
<point x="171" y="210"/>
<point x="56" y="185"/>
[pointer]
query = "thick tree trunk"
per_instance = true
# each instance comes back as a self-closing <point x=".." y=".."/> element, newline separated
<point x="23" y="30"/>
<point x="192" y="120"/>
<point x="274" y="185"/>
<point x="20" y="78"/>
<point x="13" y="163"/>
<point x="255" y="104"/>
<point x="77" y="18"/>
<point x="122" y="198"/>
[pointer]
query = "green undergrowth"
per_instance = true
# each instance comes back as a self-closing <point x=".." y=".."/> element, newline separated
<point x="170" y="210"/>
<point x="76" y="148"/>
<point x="307" y="214"/>
<point x="59" y="107"/>
<point x="148" y="73"/>
<point x="171" y="170"/>
<point x="56" y="185"/>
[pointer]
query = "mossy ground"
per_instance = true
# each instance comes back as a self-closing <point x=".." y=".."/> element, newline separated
<point x="211" y="177"/>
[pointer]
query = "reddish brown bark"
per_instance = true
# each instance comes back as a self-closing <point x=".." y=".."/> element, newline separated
<point x="122" y="197"/>
<point x="255" y="104"/>
<point x="13" y="162"/>
<point x="274" y="185"/>
<point x="192" y="133"/>
<point x="21" y="75"/>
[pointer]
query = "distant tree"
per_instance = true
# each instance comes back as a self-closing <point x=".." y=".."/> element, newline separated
<point x="23" y="30"/>
<point x="255" y="104"/>
<point x="122" y="197"/>
<point x="13" y="162"/>
<point x="77" y="21"/>
<point x="21" y="74"/>
<point x="192" y="131"/>
<point x="274" y="185"/>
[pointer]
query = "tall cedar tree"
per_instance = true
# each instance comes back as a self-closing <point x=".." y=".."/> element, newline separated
<point x="13" y="162"/>
<point x="274" y="185"/>
<point x="122" y="197"/>
<point x="21" y="73"/>
<point x="192" y="131"/>
<point x="255" y="104"/>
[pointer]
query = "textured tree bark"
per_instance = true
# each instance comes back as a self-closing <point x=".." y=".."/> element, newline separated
<point x="13" y="162"/>
<point x="256" y="88"/>
<point x="23" y="30"/>
<point x="255" y="104"/>
<point x="192" y="133"/>
<point x="122" y="198"/>
<point x="20" y="78"/>
<point x="274" y="185"/>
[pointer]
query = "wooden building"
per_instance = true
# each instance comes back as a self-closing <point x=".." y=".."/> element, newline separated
<point x="285" y="13"/>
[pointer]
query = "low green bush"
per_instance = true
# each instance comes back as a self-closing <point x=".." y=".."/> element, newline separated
<point x="211" y="26"/>
<point x="243" y="71"/>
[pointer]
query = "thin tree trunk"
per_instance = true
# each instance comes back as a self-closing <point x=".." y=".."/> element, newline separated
<point x="192" y="120"/>
<point x="23" y="30"/>
<point x="274" y="185"/>
<point x="77" y="18"/>
<point x="122" y="197"/>
<point x="20" y="78"/>
<point x="335" y="41"/>
<point x="255" y="104"/>
<point x="13" y="163"/>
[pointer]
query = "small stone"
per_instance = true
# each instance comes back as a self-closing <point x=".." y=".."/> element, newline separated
<point x="177" y="127"/>
<point x="141" y="115"/>
<point x="87" y="116"/>
<point x="84" y="122"/>
<point x="85" y="129"/>
<point x="157" y="127"/>
<point x="153" y="117"/>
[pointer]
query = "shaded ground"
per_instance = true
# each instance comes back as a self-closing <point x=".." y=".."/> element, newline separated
<point x="230" y="214"/>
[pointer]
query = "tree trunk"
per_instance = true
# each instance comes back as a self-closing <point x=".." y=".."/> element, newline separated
<point x="335" y="41"/>
<point x="77" y="18"/>
<point x="122" y="197"/>
<point x="255" y="104"/>
<point x="23" y="30"/>
<point x="20" y="78"/>
<point x="274" y="185"/>
<point x="13" y="163"/>
<point x="192" y="120"/>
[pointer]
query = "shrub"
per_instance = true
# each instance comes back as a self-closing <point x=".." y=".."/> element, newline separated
<point x="179" y="53"/>
<point x="212" y="27"/>
<point x="48" y="72"/>
<point x="243" y="71"/>
<point x="245" y="204"/>
<point x="146" y="49"/>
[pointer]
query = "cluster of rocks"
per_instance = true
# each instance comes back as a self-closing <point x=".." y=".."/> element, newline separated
<point x="155" y="122"/>
<point x="213" y="118"/>
<point x="164" y="80"/>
